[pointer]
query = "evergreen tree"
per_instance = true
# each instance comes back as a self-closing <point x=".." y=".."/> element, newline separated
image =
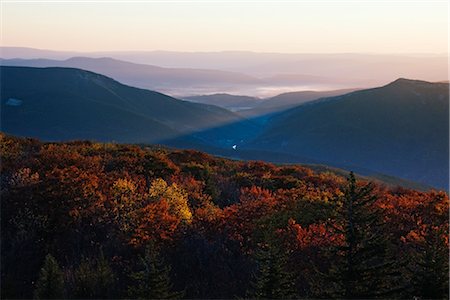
<point x="361" y="267"/>
<point x="94" y="279"/>
<point x="50" y="284"/>
<point x="152" y="281"/>
<point x="430" y="280"/>
<point x="272" y="280"/>
<point x="431" y="263"/>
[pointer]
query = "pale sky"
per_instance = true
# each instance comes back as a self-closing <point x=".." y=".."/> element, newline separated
<point x="396" y="26"/>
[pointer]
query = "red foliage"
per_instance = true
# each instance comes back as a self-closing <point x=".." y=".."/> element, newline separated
<point x="155" y="223"/>
<point x="240" y="219"/>
<point x="74" y="187"/>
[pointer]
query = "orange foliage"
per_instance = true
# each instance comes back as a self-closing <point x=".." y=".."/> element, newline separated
<point x="314" y="235"/>
<point x="156" y="223"/>
<point x="240" y="219"/>
<point x="131" y="195"/>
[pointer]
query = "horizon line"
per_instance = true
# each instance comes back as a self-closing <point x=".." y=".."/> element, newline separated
<point x="224" y="51"/>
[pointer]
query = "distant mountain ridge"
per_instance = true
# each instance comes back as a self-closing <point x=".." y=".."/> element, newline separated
<point x="142" y="75"/>
<point x="352" y="69"/>
<point x="175" y="81"/>
<point x="400" y="129"/>
<point x="231" y="102"/>
<point x="289" y="100"/>
<point x="200" y="85"/>
<point x="253" y="106"/>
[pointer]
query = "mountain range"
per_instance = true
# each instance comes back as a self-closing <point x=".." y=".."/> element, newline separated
<point x="254" y="106"/>
<point x="400" y="129"/>
<point x="174" y="80"/>
<point x="65" y="103"/>
<point x="288" y="100"/>
<point x="274" y="73"/>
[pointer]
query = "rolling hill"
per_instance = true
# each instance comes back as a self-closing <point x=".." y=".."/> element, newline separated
<point x="176" y="80"/>
<point x="288" y="100"/>
<point x="271" y="73"/>
<point x="63" y="104"/>
<point x="253" y="106"/>
<point x="400" y="129"/>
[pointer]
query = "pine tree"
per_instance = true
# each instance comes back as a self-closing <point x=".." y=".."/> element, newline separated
<point x="362" y="266"/>
<point x="94" y="279"/>
<point x="50" y="284"/>
<point x="152" y="281"/>
<point x="431" y="265"/>
<point x="430" y="279"/>
<point x="272" y="280"/>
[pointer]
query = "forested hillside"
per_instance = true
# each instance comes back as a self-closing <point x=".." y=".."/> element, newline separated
<point x="92" y="220"/>
<point x="400" y="129"/>
<point x="58" y="104"/>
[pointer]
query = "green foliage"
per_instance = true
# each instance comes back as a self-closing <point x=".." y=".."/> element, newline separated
<point x="338" y="240"/>
<point x="204" y="172"/>
<point x="93" y="279"/>
<point x="152" y="281"/>
<point x="430" y="279"/>
<point x="430" y="271"/>
<point x="273" y="280"/>
<point x="361" y="266"/>
<point x="50" y="284"/>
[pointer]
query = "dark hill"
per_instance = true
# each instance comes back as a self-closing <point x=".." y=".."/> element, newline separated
<point x="142" y="75"/>
<point x="63" y="103"/>
<point x="400" y="129"/>
<point x="289" y="100"/>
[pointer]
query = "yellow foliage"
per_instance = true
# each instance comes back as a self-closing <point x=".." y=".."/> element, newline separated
<point x="123" y="187"/>
<point x="124" y="203"/>
<point x="158" y="188"/>
<point x="175" y="196"/>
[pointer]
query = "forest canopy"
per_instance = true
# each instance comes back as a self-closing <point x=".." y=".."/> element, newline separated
<point x="91" y="220"/>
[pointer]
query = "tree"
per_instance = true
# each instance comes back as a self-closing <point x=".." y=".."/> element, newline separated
<point x="430" y="277"/>
<point x="50" y="284"/>
<point x="125" y="202"/>
<point x="273" y="280"/>
<point x="152" y="281"/>
<point x="175" y="196"/>
<point x="430" y="258"/>
<point x="361" y="265"/>
<point x="93" y="279"/>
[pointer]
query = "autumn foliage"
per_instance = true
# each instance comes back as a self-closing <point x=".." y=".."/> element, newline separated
<point x="220" y="228"/>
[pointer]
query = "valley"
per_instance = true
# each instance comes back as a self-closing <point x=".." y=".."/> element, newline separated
<point x="399" y="129"/>
<point x="212" y="149"/>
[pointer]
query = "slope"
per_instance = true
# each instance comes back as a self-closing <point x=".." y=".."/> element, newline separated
<point x="62" y="103"/>
<point x="141" y="75"/>
<point x="400" y="129"/>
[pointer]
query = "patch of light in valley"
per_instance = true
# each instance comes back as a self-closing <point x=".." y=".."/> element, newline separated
<point x="253" y="91"/>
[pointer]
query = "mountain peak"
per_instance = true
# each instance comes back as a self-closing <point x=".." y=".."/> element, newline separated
<point x="404" y="81"/>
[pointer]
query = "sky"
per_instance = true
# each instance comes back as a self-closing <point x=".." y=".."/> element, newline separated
<point x="286" y="26"/>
